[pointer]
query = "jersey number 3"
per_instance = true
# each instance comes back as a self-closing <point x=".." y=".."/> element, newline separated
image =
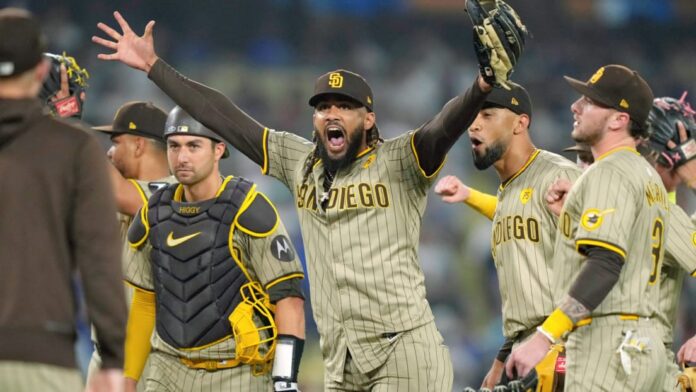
<point x="658" y="231"/>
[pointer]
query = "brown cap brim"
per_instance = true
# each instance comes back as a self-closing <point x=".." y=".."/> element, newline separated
<point x="584" y="89"/>
<point x="109" y="129"/>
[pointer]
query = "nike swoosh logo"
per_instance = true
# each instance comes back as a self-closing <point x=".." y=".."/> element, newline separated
<point x="172" y="242"/>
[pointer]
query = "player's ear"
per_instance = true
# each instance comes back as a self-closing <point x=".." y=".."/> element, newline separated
<point x="370" y="120"/>
<point x="521" y="124"/>
<point x="139" y="144"/>
<point x="619" y="120"/>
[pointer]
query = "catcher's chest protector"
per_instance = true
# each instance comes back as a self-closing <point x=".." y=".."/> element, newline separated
<point x="196" y="279"/>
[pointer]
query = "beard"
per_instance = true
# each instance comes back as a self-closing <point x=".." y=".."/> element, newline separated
<point x="492" y="155"/>
<point x="334" y="164"/>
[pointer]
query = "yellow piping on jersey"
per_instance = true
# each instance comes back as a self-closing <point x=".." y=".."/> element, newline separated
<point x="693" y="274"/>
<point x="146" y="224"/>
<point x="415" y="154"/>
<point x="623" y="317"/>
<point x="283" y="279"/>
<point x="601" y="244"/>
<point x="672" y="197"/>
<point x="522" y="169"/>
<point x="140" y="190"/>
<point x="178" y="192"/>
<point x="230" y="238"/>
<point x="136" y="287"/>
<point x="617" y="149"/>
<point x="222" y="187"/>
<point x="363" y="152"/>
<point x="264" y="147"/>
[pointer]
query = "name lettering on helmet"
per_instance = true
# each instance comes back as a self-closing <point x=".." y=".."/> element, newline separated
<point x="347" y="197"/>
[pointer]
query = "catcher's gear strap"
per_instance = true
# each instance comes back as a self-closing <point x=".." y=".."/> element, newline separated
<point x="597" y="277"/>
<point x="258" y="217"/>
<point x="141" y="322"/>
<point x="287" y="362"/>
<point x="482" y="202"/>
<point x="287" y="286"/>
<point x="505" y="349"/>
<point x="687" y="380"/>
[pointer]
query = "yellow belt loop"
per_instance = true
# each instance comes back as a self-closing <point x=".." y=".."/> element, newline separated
<point x="210" y="366"/>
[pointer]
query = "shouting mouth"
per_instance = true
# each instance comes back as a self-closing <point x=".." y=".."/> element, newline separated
<point x="475" y="143"/>
<point x="336" y="138"/>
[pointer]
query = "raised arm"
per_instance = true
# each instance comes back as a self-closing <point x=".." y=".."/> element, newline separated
<point x="434" y="139"/>
<point x="205" y="104"/>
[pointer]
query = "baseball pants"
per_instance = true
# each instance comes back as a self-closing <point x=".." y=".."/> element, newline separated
<point x="19" y="376"/>
<point x="594" y="361"/>
<point x="168" y="374"/>
<point x="420" y="362"/>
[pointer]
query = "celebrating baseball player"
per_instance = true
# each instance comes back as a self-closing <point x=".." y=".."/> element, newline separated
<point x="220" y="280"/>
<point x="360" y="200"/>
<point x="609" y="249"/>
<point x="524" y="229"/>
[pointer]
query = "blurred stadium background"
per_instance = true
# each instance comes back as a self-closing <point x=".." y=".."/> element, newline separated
<point x="265" y="55"/>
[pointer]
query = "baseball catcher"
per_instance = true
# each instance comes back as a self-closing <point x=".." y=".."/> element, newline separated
<point x="499" y="38"/>
<point x="64" y="87"/>
<point x="668" y="145"/>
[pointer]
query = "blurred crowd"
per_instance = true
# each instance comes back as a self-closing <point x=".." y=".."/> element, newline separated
<point x="416" y="54"/>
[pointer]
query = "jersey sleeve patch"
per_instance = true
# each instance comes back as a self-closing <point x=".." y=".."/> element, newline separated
<point x="259" y="218"/>
<point x="282" y="249"/>
<point x="139" y="229"/>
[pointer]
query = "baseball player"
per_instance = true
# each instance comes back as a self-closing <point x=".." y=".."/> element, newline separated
<point x="139" y="167"/>
<point x="609" y="249"/>
<point x="58" y="222"/>
<point x="360" y="201"/>
<point x="524" y="229"/>
<point x="220" y="280"/>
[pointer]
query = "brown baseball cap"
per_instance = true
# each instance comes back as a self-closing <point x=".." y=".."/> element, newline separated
<point x="620" y="88"/>
<point x="345" y="83"/>
<point x="516" y="99"/>
<point x="22" y="43"/>
<point x="138" y="118"/>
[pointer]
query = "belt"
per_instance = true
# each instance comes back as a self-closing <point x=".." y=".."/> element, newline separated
<point x="623" y="317"/>
<point x="210" y="365"/>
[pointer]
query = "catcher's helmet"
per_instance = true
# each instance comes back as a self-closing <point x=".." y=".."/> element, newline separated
<point x="181" y="123"/>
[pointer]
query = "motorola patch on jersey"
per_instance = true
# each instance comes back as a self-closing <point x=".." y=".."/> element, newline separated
<point x="281" y="248"/>
<point x="155" y="186"/>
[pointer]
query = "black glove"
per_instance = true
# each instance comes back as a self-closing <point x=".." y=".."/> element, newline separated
<point x="499" y="38"/>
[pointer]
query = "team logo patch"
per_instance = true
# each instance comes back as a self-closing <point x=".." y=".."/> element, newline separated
<point x="592" y="218"/>
<point x="335" y="80"/>
<point x="369" y="161"/>
<point x="131" y="125"/>
<point x="624" y="104"/>
<point x="526" y="195"/>
<point x="281" y="248"/>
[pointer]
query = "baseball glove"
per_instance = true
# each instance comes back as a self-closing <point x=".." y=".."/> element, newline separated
<point x="499" y="38"/>
<point x="70" y="105"/>
<point x="687" y="380"/>
<point x="665" y="144"/>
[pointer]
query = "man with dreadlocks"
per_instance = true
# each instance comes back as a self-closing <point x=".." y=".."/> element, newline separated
<point x="360" y="201"/>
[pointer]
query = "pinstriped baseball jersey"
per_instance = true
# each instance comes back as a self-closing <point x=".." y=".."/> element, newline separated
<point x="680" y="261"/>
<point x="260" y="258"/>
<point x="145" y="189"/>
<point x="524" y="233"/>
<point x="620" y="204"/>
<point x="362" y="248"/>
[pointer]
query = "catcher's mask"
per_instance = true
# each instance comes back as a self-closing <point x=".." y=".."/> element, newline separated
<point x="254" y="328"/>
<point x="72" y="105"/>
<point x="181" y="123"/>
